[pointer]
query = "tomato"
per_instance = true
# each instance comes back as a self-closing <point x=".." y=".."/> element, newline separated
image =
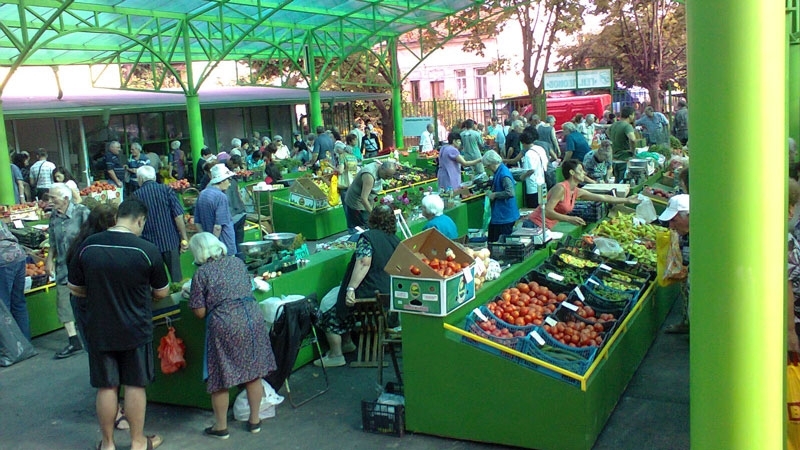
<point x="543" y="299"/>
<point x="415" y="270"/>
<point x="425" y="260"/>
<point x="561" y="297"/>
<point x="519" y="321"/>
<point x="514" y="291"/>
<point x="523" y="288"/>
<point x="505" y="296"/>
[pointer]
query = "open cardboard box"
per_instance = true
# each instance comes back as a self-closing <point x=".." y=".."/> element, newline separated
<point x="429" y="293"/>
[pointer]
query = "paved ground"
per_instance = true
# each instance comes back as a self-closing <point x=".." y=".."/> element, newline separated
<point x="45" y="403"/>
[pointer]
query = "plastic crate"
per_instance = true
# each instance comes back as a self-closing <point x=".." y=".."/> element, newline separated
<point x="593" y="260"/>
<point x="600" y="305"/>
<point x="29" y="237"/>
<point x="510" y="249"/>
<point x="540" y="273"/>
<point x="472" y="326"/>
<point x="382" y="418"/>
<point x="571" y="359"/>
<point x="589" y="211"/>
<point x="38" y="281"/>
<point x="599" y="287"/>
<point x="564" y="314"/>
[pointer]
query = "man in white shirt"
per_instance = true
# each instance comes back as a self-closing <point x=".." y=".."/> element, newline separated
<point x="588" y="128"/>
<point x="41" y="174"/>
<point x="426" y="139"/>
<point x="282" y="151"/>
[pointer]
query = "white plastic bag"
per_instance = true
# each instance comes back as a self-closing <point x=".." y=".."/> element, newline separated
<point x="329" y="301"/>
<point x="608" y="248"/>
<point x="241" y="409"/>
<point x="645" y="210"/>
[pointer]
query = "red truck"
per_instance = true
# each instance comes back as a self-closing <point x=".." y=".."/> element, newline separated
<point x="565" y="108"/>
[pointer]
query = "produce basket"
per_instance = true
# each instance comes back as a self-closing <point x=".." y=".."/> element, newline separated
<point x="612" y="290"/>
<point x="511" y="249"/>
<point x="601" y="305"/>
<point x="575" y="360"/>
<point x="38" y="281"/>
<point x="589" y="211"/>
<point x="630" y="279"/>
<point x="473" y="325"/>
<point x="382" y="418"/>
<point x="542" y="275"/>
<point x="565" y="314"/>
<point x="29" y="237"/>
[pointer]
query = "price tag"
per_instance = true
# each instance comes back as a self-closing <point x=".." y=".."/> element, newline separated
<point x="579" y="293"/>
<point x="537" y="338"/>
<point x="605" y="267"/>
<point x="631" y="263"/>
<point x="570" y="306"/>
<point x="302" y="252"/>
<point x="480" y="315"/>
<point x="468" y="275"/>
<point x="18" y="224"/>
<point x="593" y="282"/>
<point x="555" y="276"/>
<point x="597" y="251"/>
<point x="550" y="321"/>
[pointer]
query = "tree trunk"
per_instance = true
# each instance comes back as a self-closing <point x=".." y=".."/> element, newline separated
<point x="654" y="89"/>
<point x="387" y="121"/>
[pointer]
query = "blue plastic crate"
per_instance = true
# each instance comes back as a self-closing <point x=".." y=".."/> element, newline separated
<point x="472" y="326"/>
<point x="600" y="288"/>
<point x="571" y="359"/>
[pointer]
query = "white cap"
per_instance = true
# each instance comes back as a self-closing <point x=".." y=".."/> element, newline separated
<point x="677" y="203"/>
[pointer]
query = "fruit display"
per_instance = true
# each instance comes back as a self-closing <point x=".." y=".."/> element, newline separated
<point x="445" y="267"/>
<point x="180" y="185"/>
<point x="480" y="267"/>
<point x="637" y="240"/>
<point x="525" y="304"/>
<point x="33" y="270"/>
<point x="322" y="185"/>
<point x="98" y="187"/>
<point x="576" y="333"/>
<point x="576" y="261"/>
<point x="428" y="155"/>
<point x="406" y="176"/>
<point x="22" y="209"/>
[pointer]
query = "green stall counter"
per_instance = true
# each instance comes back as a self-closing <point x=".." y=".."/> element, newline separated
<point x="313" y="225"/>
<point x="456" y="390"/>
<point x="186" y="387"/>
<point x="42" y="310"/>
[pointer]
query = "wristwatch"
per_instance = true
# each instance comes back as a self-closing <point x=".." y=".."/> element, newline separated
<point x="351" y="289"/>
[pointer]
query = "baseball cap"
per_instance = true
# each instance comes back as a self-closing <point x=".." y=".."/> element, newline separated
<point x="677" y="203"/>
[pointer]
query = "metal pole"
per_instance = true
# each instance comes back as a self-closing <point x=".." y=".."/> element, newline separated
<point x="87" y="169"/>
<point x="436" y="121"/>
<point x="6" y="179"/>
<point x="793" y="81"/>
<point x="397" y="98"/>
<point x="195" y="120"/>
<point x="738" y="246"/>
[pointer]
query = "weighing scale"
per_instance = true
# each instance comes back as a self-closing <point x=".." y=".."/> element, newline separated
<point x="271" y="254"/>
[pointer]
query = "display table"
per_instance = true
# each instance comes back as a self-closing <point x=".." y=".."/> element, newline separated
<point x="186" y="387"/>
<point x="456" y="390"/>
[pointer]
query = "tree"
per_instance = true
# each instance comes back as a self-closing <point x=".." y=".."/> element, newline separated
<point x="644" y="42"/>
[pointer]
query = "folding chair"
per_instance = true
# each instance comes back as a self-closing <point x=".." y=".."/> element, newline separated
<point x="294" y="322"/>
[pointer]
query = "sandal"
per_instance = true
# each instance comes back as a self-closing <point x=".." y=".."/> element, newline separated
<point x="122" y="422"/>
<point x="154" y="441"/>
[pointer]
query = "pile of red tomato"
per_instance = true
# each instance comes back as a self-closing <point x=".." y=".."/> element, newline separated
<point x="577" y="333"/>
<point x="526" y="304"/>
<point x="444" y="267"/>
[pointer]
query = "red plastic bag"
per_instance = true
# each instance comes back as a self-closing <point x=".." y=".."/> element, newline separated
<point x="170" y="352"/>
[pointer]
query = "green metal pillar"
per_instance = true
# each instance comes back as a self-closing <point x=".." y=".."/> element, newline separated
<point x="736" y="61"/>
<point x="195" y="126"/>
<point x="397" y="97"/>
<point x="6" y="180"/>
<point x="315" y="115"/>
<point x="793" y="96"/>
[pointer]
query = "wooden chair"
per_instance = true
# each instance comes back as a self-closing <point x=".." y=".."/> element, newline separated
<point x="375" y="337"/>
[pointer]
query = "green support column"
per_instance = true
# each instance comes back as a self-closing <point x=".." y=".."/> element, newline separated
<point x="794" y="90"/>
<point x="6" y="180"/>
<point x="397" y="112"/>
<point x="315" y="115"/>
<point x="195" y="126"/>
<point x="736" y="62"/>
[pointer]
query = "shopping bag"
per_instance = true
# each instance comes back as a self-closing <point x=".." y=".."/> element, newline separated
<point x="674" y="269"/>
<point x="14" y="347"/>
<point x="645" y="209"/>
<point x="793" y="404"/>
<point x="241" y="408"/>
<point x="333" y="193"/>
<point x="487" y="212"/>
<point x="663" y="242"/>
<point x="170" y="352"/>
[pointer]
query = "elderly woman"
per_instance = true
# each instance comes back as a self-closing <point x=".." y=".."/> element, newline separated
<point x="281" y="150"/>
<point x="577" y="146"/>
<point x="504" y="205"/>
<point x="347" y="164"/>
<point x="450" y="163"/>
<point x="65" y="223"/>
<point x="238" y="349"/>
<point x="178" y="161"/>
<point x="433" y="210"/>
<point x="561" y="198"/>
<point x="598" y="165"/>
<point x="363" y="277"/>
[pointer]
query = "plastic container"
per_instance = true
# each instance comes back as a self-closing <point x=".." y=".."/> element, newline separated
<point x="383" y="418"/>
<point x="511" y="249"/>
<point x="571" y="359"/>
<point x="472" y="325"/>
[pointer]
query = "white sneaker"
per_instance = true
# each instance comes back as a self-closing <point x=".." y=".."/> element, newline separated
<point x="336" y="361"/>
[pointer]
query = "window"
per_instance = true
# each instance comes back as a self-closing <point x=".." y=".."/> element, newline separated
<point x="415" y="97"/>
<point x="437" y="89"/>
<point x="480" y="84"/>
<point x="461" y="83"/>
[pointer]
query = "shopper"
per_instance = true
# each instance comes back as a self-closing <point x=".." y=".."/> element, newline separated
<point x="62" y="175"/>
<point x="598" y="165"/>
<point x="115" y="170"/>
<point x="165" y="227"/>
<point x="65" y="223"/>
<point x="41" y="174"/>
<point x="18" y="161"/>
<point x="323" y="146"/>
<point x="426" y="143"/>
<point x="363" y="277"/>
<point x="211" y="211"/>
<point x="362" y="193"/>
<point x="433" y="210"/>
<point x="12" y="278"/>
<point x="136" y="160"/>
<point x="450" y="163"/>
<point x="471" y="145"/>
<point x="371" y="142"/>
<point x="120" y="274"/>
<point x="178" y="160"/>
<point x="238" y="348"/>
<point x="677" y="214"/>
<point x="281" y="150"/>
<point x="534" y="159"/>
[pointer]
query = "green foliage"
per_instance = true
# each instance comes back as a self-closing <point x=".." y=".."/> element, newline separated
<point x="675" y="143"/>
<point x="661" y="149"/>
<point x="643" y="42"/>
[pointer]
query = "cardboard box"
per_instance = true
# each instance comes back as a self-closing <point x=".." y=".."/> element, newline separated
<point x="307" y="194"/>
<point x="428" y="293"/>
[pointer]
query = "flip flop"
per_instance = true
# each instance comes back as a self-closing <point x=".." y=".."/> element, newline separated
<point x="154" y="441"/>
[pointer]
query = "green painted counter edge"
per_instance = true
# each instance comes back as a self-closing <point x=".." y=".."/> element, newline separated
<point x="456" y="390"/>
